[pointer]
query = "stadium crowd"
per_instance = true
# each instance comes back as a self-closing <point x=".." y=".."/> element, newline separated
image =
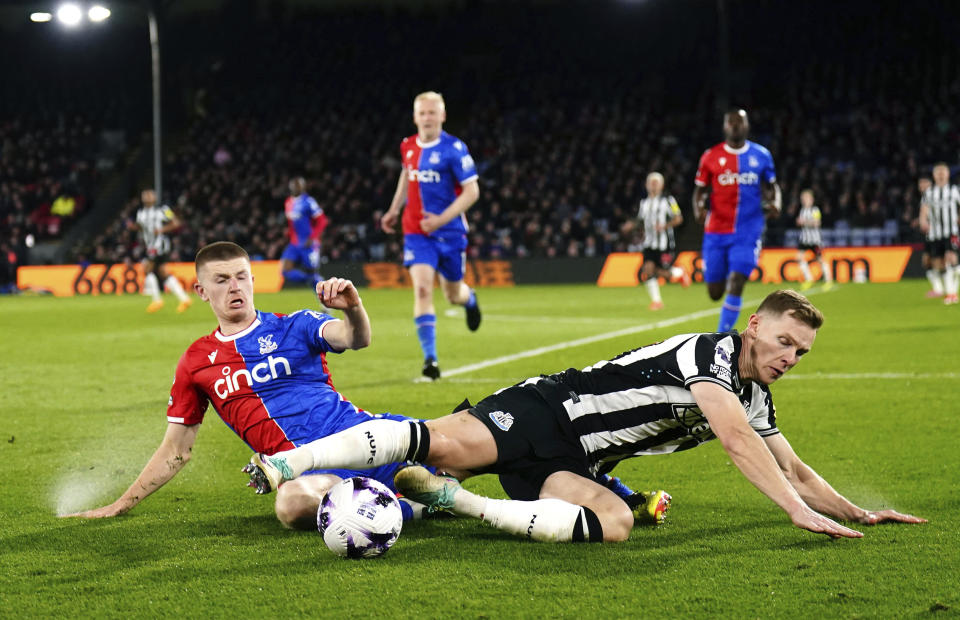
<point x="561" y="164"/>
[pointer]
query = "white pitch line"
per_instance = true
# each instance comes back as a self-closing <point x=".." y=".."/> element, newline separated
<point x="830" y="376"/>
<point x="506" y="359"/>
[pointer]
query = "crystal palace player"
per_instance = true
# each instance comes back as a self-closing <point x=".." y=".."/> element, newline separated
<point x="438" y="183"/>
<point x="305" y="223"/>
<point x="266" y="376"/>
<point x="551" y="436"/>
<point x="739" y="177"/>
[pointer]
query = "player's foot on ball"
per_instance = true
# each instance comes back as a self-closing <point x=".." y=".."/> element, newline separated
<point x="473" y="317"/>
<point x="154" y="306"/>
<point x="431" y="369"/>
<point x="656" y="305"/>
<point x="418" y="484"/>
<point x="267" y="472"/>
<point x="183" y="305"/>
<point x="650" y="506"/>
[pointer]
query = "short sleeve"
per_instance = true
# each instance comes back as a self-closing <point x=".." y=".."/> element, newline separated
<point x="674" y="206"/>
<point x="310" y="324"/>
<point x="708" y="357"/>
<point x="462" y="163"/>
<point x="769" y="171"/>
<point x="761" y="414"/>
<point x="187" y="402"/>
<point x="167" y="213"/>
<point x="704" y="176"/>
<point x="314" y="206"/>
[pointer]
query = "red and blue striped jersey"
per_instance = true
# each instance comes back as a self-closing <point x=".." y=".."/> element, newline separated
<point x="436" y="171"/>
<point x="734" y="176"/>
<point x="305" y="219"/>
<point x="269" y="383"/>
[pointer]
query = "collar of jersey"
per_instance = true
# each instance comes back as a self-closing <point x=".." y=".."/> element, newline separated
<point x="239" y="334"/>
<point x="739" y="151"/>
<point x="427" y="145"/>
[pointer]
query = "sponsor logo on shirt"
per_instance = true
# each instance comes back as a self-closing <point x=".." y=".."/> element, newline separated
<point x="744" y="178"/>
<point x="260" y="373"/>
<point x="423" y="176"/>
<point x="502" y="419"/>
<point x="722" y="359"/>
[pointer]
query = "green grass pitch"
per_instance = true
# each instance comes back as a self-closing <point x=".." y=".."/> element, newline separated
<point x="873" y="408"/>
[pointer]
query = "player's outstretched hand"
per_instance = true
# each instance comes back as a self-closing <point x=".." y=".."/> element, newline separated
<point x="815" y="522"/>
<point x="338" y="294"/>
<point x="874" y="517"/>
<point x="111" y="510"/>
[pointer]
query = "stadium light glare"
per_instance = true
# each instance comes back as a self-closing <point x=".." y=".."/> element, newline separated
<point x="98" y="13"/>
<point x="69" y="14"/>
<point x="40" y="17"/>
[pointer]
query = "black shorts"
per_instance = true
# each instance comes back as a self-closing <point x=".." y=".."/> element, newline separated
<point x="938" y="248"/>
<point x="817" y="250"/>
<point x="532" y="442"/>
<point x="662" y="259"/>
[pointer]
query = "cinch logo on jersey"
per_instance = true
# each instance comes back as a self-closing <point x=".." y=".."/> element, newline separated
<point x="744" y="178"/>
<point x="259" y="374"/>
<point x="424" y="176"/>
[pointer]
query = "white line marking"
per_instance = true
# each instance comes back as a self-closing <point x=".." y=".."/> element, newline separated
<point x="505" y="359"/>
<point x="830" y="376"/>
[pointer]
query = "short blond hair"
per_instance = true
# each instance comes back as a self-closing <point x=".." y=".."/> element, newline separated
<point x="430" y="95"/>
<point x="655" y="175"/>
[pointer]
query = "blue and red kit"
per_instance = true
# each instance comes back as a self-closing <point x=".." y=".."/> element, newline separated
<point x="734" y="226"/>
<point x="270" y="384"/>
<point x="305" y="224"/>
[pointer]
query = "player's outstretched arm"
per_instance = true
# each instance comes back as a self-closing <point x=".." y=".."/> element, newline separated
<point x="170" y="457"/>
<point x="354" y="331"/>
<point x="748" y="452"/>
<point x="818" y="493"/>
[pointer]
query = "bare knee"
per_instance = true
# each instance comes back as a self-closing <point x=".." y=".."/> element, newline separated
<point x="617" y="521"/>
<point x="715" y="290"/>
<point x="298" y="501"/>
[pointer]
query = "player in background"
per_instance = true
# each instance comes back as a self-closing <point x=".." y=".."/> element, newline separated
<point x="810" y="241"/>
<point x="936" y="282"/>
<point x="266" y="376"/>
<point x="938" y="219"/>
<point x="438" y="183"/>
<point x="550" y="436"/>
<point x="155" y="223"/>
<point x="657" y="216"/>
<point x="305" y="224"/>
<point x="739" y="178"/>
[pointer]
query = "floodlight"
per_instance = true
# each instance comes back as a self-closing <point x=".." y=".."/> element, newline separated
<point x="40" y="17"/>
<point x="98" y="13"/>
<point x="69" y="14"/>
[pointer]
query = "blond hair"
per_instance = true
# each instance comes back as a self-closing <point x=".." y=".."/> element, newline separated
<point x="430" y="95"/>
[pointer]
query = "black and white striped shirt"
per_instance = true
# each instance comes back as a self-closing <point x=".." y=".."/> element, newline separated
<point x="809" y="233"/>
<point x="639" y="403"/>
<point x="943" y="203"/>
<point x="151" y="220"/>
<point x="658" y="211"/>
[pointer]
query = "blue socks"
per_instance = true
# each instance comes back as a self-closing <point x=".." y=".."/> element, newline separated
<point x="427" y="333"/>
<point x="729" y="313"/>
<point x="617" y="486"/>
<point x="472" y="302"/>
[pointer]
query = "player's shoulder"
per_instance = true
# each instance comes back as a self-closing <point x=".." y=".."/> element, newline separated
<point x="760" y="148"/>
<point x="200" y="347"/>
<point x="409" y="141"/>
<point x="452" y="142"/>
<point x="714" y="151"/>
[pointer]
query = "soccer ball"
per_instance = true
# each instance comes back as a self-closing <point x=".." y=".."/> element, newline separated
<point x="359" y="518"/>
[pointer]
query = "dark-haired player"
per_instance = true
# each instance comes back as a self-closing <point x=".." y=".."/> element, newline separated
<point x="306" y="222"/>
<point x="739" y="178"/>
<point x="550" y="437"/>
